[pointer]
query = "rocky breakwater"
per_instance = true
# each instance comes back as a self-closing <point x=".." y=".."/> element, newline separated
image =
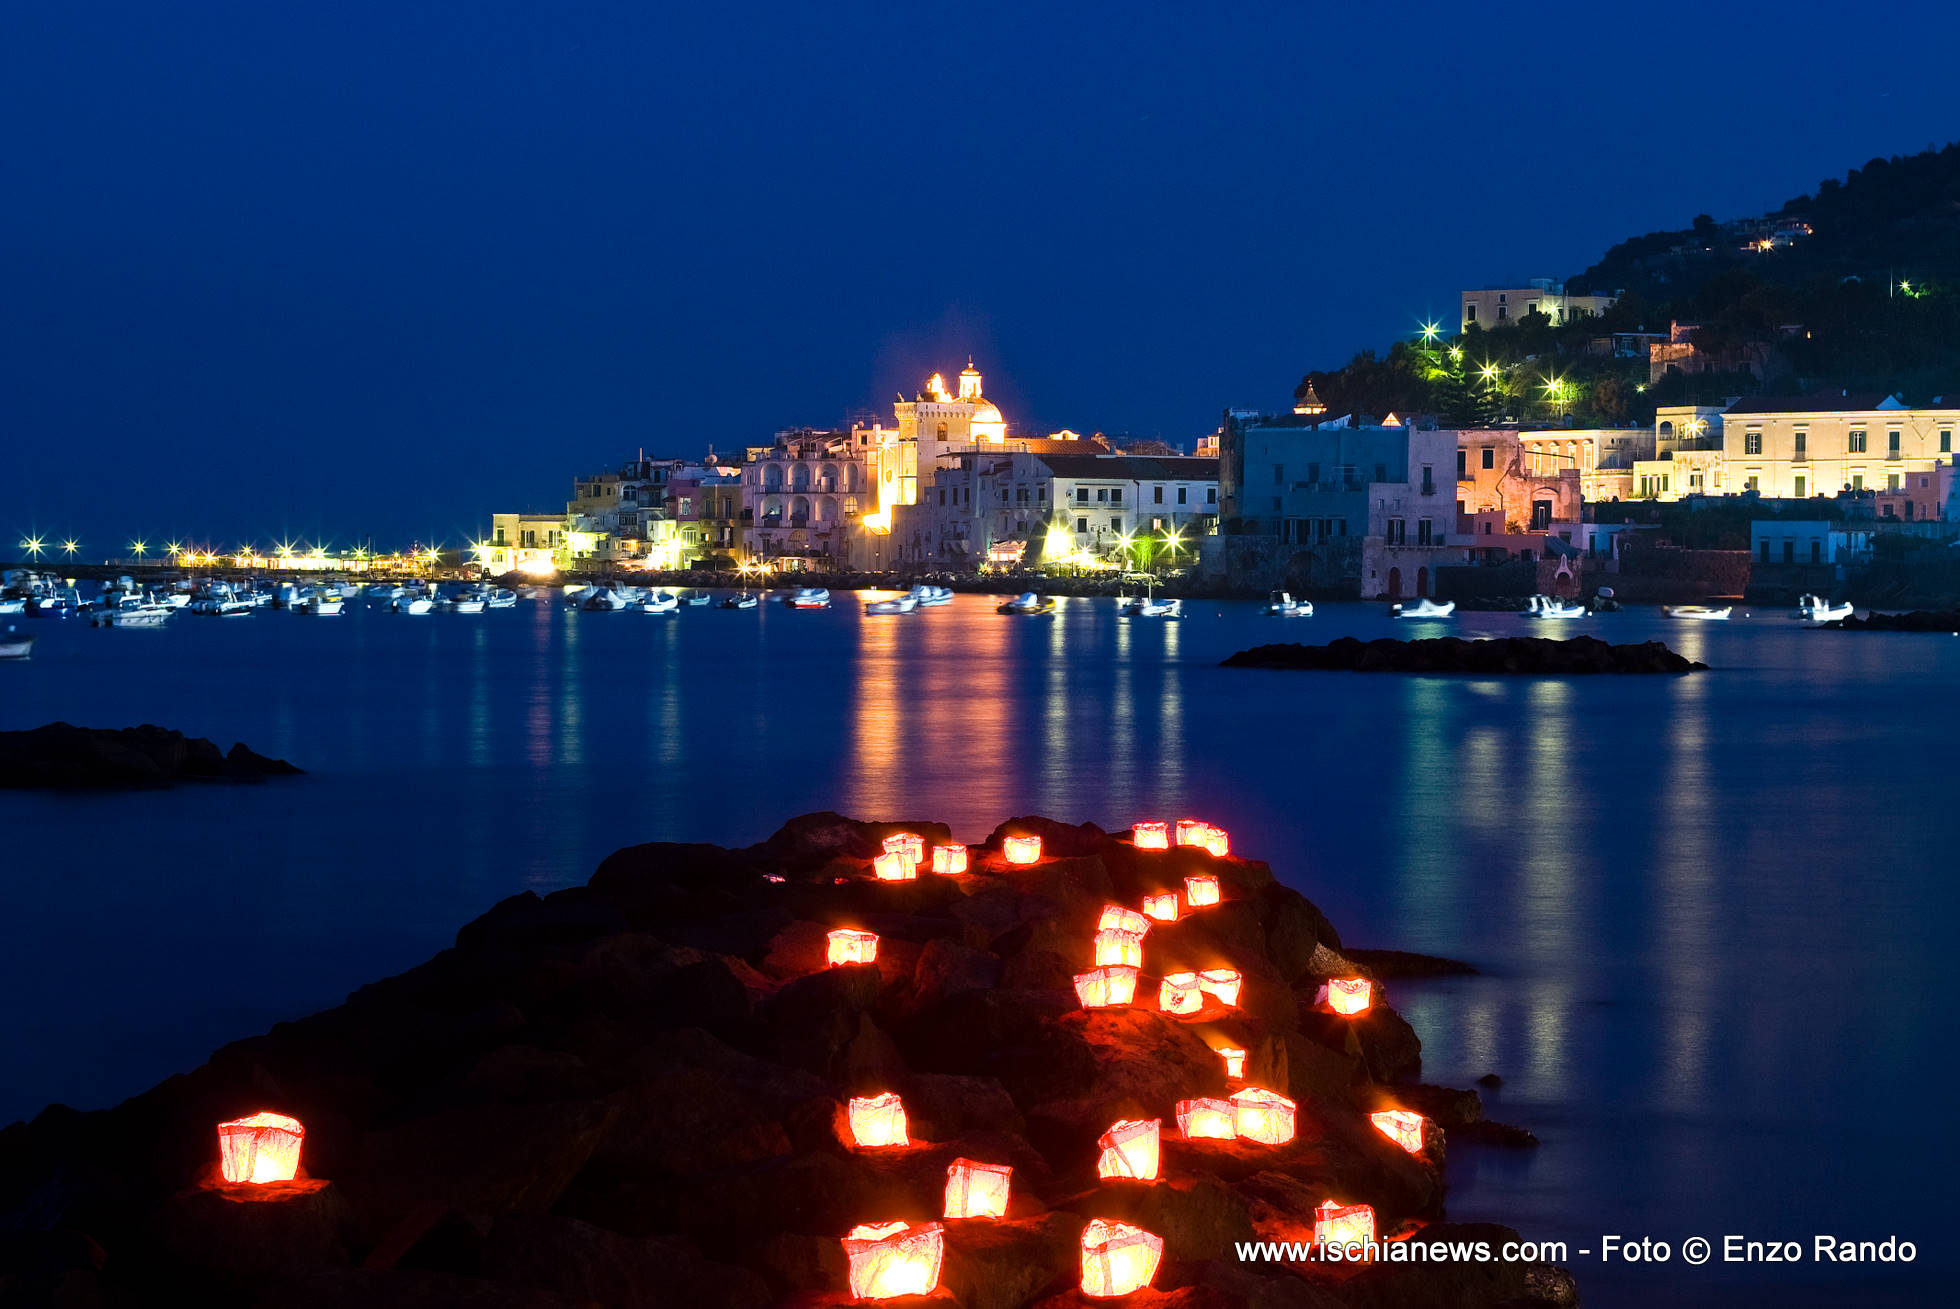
<point x="1515" y="655"/>
<point x="662" y="1088"/>
<point x="63" y="756"/>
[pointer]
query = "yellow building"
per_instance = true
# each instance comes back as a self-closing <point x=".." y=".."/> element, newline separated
<point x="1797" y="447"/>
<point x="532" y="543"/>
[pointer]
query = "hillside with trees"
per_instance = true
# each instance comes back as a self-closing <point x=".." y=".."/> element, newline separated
<point x="1854" y="286"/>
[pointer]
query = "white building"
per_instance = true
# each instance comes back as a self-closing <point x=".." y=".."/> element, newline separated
<point x="802" y="497"/>
<point x="1498" y="306"/>
<point x="1796" y="447"/>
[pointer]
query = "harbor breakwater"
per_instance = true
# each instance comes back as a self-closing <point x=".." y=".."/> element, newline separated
<point x="638" y="1091"/>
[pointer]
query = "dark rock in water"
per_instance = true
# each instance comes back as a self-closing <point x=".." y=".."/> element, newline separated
<point x="62" y="756"/>
<point x="1388" y="964"/>
<point x="1507" y="656"/>
<point x="1919" y="620"/>
<point x="1490" y="1080"/>
<point x="634" y="1092"/>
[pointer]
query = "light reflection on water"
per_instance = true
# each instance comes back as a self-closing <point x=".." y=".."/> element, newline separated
<point x="1681" y="891"/>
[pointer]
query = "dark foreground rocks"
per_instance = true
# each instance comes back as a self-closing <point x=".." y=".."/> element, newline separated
<point x="632" y="1093"/>
<point x="61" y="755"/>
<point x="1919" y="620"/>
<point x="1524" y="655"/>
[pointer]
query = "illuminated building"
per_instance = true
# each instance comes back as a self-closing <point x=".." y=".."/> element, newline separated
<point x="1496" y="305"/>
<point x="802" y="497"/>
<point x="1804" y="446"/>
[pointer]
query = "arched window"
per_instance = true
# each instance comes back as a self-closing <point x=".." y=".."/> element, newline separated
<point x="942" y="431"/>
<point x="1667" y="429"/>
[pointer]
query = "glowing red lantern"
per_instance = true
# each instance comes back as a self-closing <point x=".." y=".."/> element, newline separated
<point x="1216" y="842"/>
<point x="1151" y="836"/>
<point x="1262" y="1116"/>
<point x="895" y="866"/>
<point x="909" y="844"/>
<point x="878" y="1120"/>
<point x="1190" y="831"/>
<point x="1200" y="889"/>
<point x="1402" y="1126"/>
<point x="1223" y="983"/>
<point x="977" y="1190"/>
<point x="1106" y="988"/>
<point x="894" y="1259"/>
<point x="1119" y="949"/>
<point x="261" y="1148"/>
<point x="1115" y="918"/>
<point x="1234" y="1060"/>
<point x="1020" y="849"/>
<point x="949" y="859"/>
<point x="1129" y="1149"/>
<point x="1205" y="1117"/>
<point x="1349" y="995"/>
<point x="1337" y="1224"/>
<point x="849" y="946"/>
<point x="1161" y="907"/>
<point x="1118" y="1258"/>
<point x="1179" y="993"/>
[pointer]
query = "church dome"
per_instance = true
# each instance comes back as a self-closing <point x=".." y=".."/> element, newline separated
<point x="986" y="411"/>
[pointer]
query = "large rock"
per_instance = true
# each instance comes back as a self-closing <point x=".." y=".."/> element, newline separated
<point x="235" y="1235"/>
<point x="1002" y="1264"/>
<point x="60" y="755"/>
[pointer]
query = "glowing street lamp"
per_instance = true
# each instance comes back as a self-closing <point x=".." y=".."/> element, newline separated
<point x="138" y="548"/>
<point x="33" y="546"/>
<point x="71" y="546"/>
<point x="1430" y="331"/>
<point x="174" y="548"/>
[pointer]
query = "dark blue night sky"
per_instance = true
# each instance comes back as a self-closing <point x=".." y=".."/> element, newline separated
<point x="327" y="270"/>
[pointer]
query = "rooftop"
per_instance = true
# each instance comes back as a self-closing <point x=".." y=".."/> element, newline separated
<point x="1815" y="403"/>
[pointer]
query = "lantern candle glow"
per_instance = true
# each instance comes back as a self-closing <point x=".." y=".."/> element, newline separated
<point x="1191" y="831"/>
<point x="975" y="1190"/>
<point x="1200" y="889"/>
<point x="1179" y="993"/>
<point x="1161" y="907"/>
<point x="1223" y="983"/>
<point x="1349" y="995"/>
<point x="1115" y="918"/>
<point x="1106" y="988"/>
<point x="949" y="859"/>
<point x="1402" y="1126"/>
<point x="894" y="866"/>
<point x="1216" y="842"/>
<point x="1234" y="1060"/>
<point x="259" y="1149"/>
<point x="1118" y="1258"/>
<point x="1151" y="836"/>
<point x="878" y="1120"/>
<point x="909" y="844"/>
<point x="1263" y="1116"/>
<point x="849" y="946"/>
<point x="1119" y="949"/>
<point x="1130" y="1149"/>
<point x="893" y="1259"/>
<point x="1206" y="1117"/>
<point x="1020" y="849"/>
<point x="1338" y="1224"/>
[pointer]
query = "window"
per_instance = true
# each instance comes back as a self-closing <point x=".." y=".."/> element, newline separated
<point x="1157" y="496"/>
<point x="1789" y="551"/>
<point x="1428" y="480"/>
<point x="1501" y="313"/>
<point x="1470" y="313"/>
<point x="1816" y="551"/>
<point x="1751" y="483"/>
<point x="942" y="495"/>
<point x="1425" y="532"/>
<point x="1462" y="464"/>
<point x="1857" y="481"/>
<point x="1211" y="495"/>
<point x="1800" y="442"/>
<point x="1041" y="492"/>
<point x="1102" y="495"/>
<point x="1891" y="445"/>
<point x="1180" y="495"/>
<point x="1082" y="526"/>
<point x="1116" y="495"/>
<point x="942" y="431"/>
<point x="1763" y="552"/>
<point x="1855" y="441"/>
<point x="1799" y="487"/>
<point x="1490" y="457"/>
<point x="1752" y="443"/>
<point x="500" y="536"/>
<point x="1946" y="441"/>
<point x="1115" y="524"/>
<point x="1397" y="532"/>
<point x="1082" y="495"/>
<point x="1279" y="472"/>
<point x="1891" y="481"/>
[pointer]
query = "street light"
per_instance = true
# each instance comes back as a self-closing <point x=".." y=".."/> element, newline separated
<point x="138" y="548"/>
<point x="71" y="546"/>
<point x="33" y="546"/>
<point x="1430" y="331"/>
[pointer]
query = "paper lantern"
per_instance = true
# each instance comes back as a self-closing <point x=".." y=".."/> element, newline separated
<point x="1200" y="889"/>
<point x="909" y="844"/>
<point x="1190" y="831"/>
<point x="1234" y="1060"/>
<point x="1020" y="849"/>
<point x="949" y="859"/>
<point x="1151" y="836"/>
<point x="1129" y="1149"/>
<point x="777" y="878"/>
<point x="1205" y="1117"/>
<point x="1106" y="987"/>
<point x="848" y="946"/>
<point x="1115" y="918"/>
<point x="894" y="1259"/>
<point x="878" y="1120"/>
<point x="1262" y="1116"/>
<point x="261" y="1148"/>
<point x="1161" y="907"/>
<point x="894" y="866"/>
<point x="1402" y="1126"/>
<point x="1179" y="993"/>
<point x="1223" y="983"/>
<point x="1118" y="1258"/>
<point x="1119" y="949"/>
<point x="1338" y="1224"/>
<point x="976" y="1190"/>
<point x="1349" y="995"/>
<point x="1216" y="842"/>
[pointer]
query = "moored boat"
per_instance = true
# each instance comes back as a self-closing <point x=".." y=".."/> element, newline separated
<point x="1423" y="608"/>
<point x="321" y="604"/>
<point x="929" y="596"/>
<point x="1281" y="604"/>
<point x="603" y="600"/>
<point x="1026" y="603"/>
<point x="1816" y="609"/>
<point x="501" y="598"/>
<point x="1706" y="613"/>
<point x="1546" y="606"/>
<point x="659" y="602"/>
<point x="808" y="597"/>
<point x="131" y="611"/>
<point x="740" y="600"/>
<point x="903" y="604"/>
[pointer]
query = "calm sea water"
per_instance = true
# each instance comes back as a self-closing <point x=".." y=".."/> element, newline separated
<point x="1713" y="913"/>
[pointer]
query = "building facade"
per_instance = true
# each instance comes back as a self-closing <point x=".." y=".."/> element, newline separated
<point x="1497" y="306"/>
<point x="801" y="498"/>
<point x="1798" y="447"/>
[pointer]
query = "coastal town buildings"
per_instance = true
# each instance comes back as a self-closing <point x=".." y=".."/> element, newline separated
<point x="1495" y="305"/>
<point x="801" y="498"/>
<point x="1796" y="447"/>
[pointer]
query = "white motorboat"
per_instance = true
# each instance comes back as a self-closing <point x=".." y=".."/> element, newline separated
<point x="1149" y="608"/>
<point x="174" y="599"/>
<point x="660" y="602"/>
<point x="929" y="596"/>
<point x="345" y="590"/>
<point x="808" y="597"/>
<point x="903" y="604"/>
<point x="130" y="611"/>
<point x="500" y="598"/>
<point x="262" y="596"/>
<point x="15" y="645"/>
<point x="1281" y="604"/>
<point x="740" y="600"/>
<point x="221" y="599"/>
<point x="321" y="604"/>
<point x="1816" y="609"/>
<point x="576" y="594"/>
<point x="1547" y="606"/>
<point x="289" y="595"/>
<point x="1423" y="608"/>
<point x="693" y="599"/>
<point x="1706" y="613"/>
<point x="14" y="604"/>
<point x="464" y="602"/>
<point x="1026" y="603"/>
<point x="603" y="600"/>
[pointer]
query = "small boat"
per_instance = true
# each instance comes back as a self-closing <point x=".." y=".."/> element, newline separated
<point x="414" y="604"/>
<point x="175" y="599"/>
<point x="694" y="599"/>
<point x="1149" y="608"/>
<point x="604" y="600"/>
<point x="903" y="604"/>
<point x="131" y="611"/>
<point x="928" y="596"/>
<point x="465" y="602"/>
<point x="658" y="603"/>
<point x="46" y="601"/>
<point x="1026" y="603"/>
<point x="808" y="597"/>
<point x="384" y="594"/>
<point x="1707" y="613"/>
<point x="14" y="645"/>
<point x="1816" y="609"/>
<point x="222" y="600"/>
<point x="1423" y="608"/>
<point x="289" y="595"/>
<point x="1546" y="606"/>
<point x="13" y="604"/>
<point x="576" y="595"/>
<point x="740" y="600"/>
<point x="1281" y="604"/>
<point x="321" y="604"/>
<point x="500" y="598"/>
